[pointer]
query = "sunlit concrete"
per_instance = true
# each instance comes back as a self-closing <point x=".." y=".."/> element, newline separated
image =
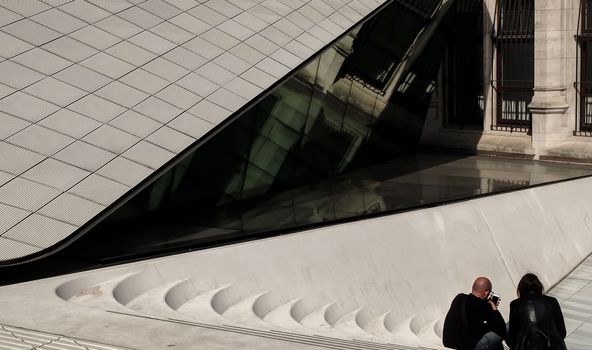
<point x="387" y="280"/>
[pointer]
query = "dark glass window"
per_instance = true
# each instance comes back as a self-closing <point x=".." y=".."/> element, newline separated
<point x="584" y="83"/>
<point x="464" y="68"/>
<point x="287" y="161"/>
<point x="514" y="42"/>
<point x="382" y="43"/>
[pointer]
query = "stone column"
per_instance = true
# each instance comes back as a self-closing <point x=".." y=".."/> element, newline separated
<point x="549" y="105"/>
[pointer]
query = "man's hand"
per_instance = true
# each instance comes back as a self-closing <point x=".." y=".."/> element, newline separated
<point x="493" y="305"/>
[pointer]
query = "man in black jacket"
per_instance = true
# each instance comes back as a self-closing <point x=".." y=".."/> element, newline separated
<point x="473" y="321"/>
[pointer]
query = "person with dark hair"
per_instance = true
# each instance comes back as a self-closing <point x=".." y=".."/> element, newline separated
<point x="473" y="321"/>
<point x="536" y="321"/>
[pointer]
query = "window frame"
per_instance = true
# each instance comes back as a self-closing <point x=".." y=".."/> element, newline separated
<point x="513" y="96"/>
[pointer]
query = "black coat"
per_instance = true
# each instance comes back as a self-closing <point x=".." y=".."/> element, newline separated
<point x="463" y="332"/>
<point x="547" y="318"/>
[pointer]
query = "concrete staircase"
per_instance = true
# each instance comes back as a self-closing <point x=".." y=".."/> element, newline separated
<point x="260" y="312"/>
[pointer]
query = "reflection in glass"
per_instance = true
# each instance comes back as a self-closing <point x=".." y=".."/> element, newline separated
<point x="322" y="146"/>
<point x="284" y="162"/>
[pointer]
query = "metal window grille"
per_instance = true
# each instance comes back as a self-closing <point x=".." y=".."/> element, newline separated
<point x="583" y="82"/>
<point x="514" y="42"/>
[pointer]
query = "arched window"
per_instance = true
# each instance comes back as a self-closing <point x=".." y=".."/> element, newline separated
<point x="514" y="42"/>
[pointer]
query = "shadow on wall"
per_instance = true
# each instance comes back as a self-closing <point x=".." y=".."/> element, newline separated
<point x="456" y="116"/>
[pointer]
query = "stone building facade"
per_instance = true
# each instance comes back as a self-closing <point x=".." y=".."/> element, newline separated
<point x="535" y="81"/>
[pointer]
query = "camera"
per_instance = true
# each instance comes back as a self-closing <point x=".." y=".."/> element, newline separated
<point x="494" y="298"/>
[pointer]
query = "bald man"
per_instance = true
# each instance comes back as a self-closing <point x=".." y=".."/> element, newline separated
<point x="473" y="321"/>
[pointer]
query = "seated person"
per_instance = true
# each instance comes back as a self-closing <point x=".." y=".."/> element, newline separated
<point x="473" y="321"/>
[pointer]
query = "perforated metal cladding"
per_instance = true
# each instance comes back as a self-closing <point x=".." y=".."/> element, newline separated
<point x="96" y="95"/>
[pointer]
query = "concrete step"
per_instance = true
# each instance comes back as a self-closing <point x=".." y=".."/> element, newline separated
<point x="102" y="295"/>
<point x="235" y="306"/>
<point x="316" y="320"/>
<point x="283" y="318"/>
<point x="404" y="332"/>
<point x="428" y="333"/>
<point x="243" y="313"/>
<point x="154" y="303"/>
<point x="378" y="328"/>
<point x="350" y="328"/>
<point x="200" y="308"/>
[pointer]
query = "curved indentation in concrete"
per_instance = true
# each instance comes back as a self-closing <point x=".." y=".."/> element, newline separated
<point x="378" y="327"/>
<point x="153" y="302"/>
<point x="69" y="289"/>
<point x="226" y="297"/>
<point x="243" y="311"/>
<point x="348" y="321"/>
<point x="428" y="333"/>
<point x="438" y="326"/>
<point x="135" y="285"/>
<point x="363" y="318"/>
<point x="417" y="324"/>
<point x="200" y="306"/>
<point x="186" y="290"/>
<point x="317" y="319"/>
<point x="349" y="325"/>
<point x="303" y="308"/>
<point x="333" y="313"/>
<point x="404" y="330"/>
<point x="282" y="316"/>
<point x="266" y="303"/>
<point x="392" y="320"/>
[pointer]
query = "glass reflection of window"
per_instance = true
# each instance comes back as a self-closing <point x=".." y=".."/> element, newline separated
<point x="430" y="88"/>
<point x="515" y="63"/>
<point x="584" y="83"/>
<point x="285" y="161"/>
<point x="383" y="42"/>
<point x="406" y="83"/>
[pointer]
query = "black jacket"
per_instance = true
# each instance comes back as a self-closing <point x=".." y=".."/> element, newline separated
<point x="547" y="318"/>
<point x="463" y="332"/>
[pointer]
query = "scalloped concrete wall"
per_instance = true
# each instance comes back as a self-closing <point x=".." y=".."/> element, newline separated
<point x="388" y="279"/>
<point x="408" y="265"/>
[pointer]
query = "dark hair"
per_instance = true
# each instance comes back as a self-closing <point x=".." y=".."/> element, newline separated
<point x="529" y="283"/>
